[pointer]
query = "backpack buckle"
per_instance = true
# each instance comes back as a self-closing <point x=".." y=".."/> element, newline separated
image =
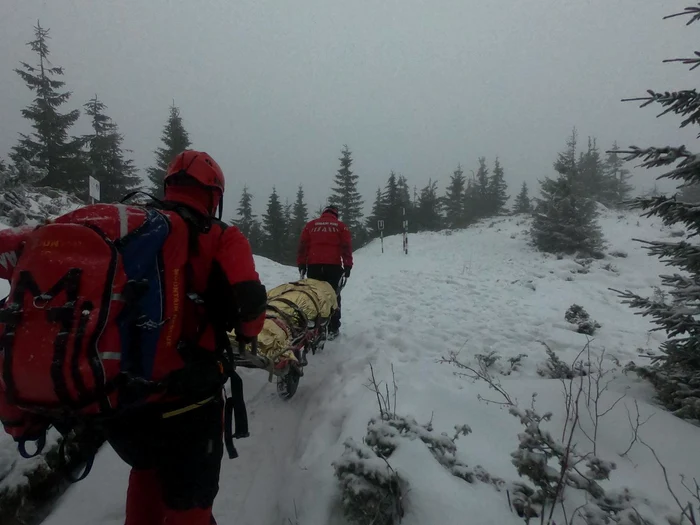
<point x="41" y="301"/>
<point x="195" y="298"/>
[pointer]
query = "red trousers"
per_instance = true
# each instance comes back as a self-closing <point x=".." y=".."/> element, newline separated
<point x="175" y="464"/>
<point x="145" y="505"/>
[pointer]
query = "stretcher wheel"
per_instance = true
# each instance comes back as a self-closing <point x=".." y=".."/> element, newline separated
<point x="287" y="384"/>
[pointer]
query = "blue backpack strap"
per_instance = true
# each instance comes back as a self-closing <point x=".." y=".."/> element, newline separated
<point x="140" y="326"/>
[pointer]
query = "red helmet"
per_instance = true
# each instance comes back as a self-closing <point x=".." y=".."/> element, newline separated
<point x="331" y="209"/>
<point x="197" y="166"/>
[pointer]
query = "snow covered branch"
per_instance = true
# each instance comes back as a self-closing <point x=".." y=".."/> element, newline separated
<point x="481" y="373"/>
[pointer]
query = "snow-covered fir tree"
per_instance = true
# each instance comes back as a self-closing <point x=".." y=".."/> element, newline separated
<point x="175" y="139"/>
<point x="108" y="164"/>
<point x="690" y="194"/>
<point x="565" y="216"/>
<point x="428" y="215"/>
<point x="454" y="199"/>
<point x="256" y="237"/>
<point x="346" y="196"/>
<point x="377" y="214"/>
<point x="291" y="239"/>
<point x="245" y="219"/>
<point x="49" y="149"/>
<point x="591" y="173"/>
<point x="618" y="179"/>
<point x="522" y="201"/>
<point x="481" y="187"/>
<point x="275" y="229"/>
<point x="471" y="202"/>
<point x="497" y="190"/>
<point x="391" y="204"/>
<point x="300" y="213"/>
<point x="15" y="205"/>
<point x="676" y="372"/>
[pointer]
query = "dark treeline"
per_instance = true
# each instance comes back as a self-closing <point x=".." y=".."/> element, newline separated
<point x="50" y="156"/>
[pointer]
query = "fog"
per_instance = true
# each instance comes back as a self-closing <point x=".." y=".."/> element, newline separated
<point x="274" y="89"/>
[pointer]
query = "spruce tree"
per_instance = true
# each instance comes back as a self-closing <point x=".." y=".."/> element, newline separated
<point x="378" y="213"/>
<point x="565" y="216"/>
<point x="676" y="372"/>
<point x="689" y="194"/>
<point x="300" y="213"/>
<point x="471" y="202"/>
<point x="497" y="190"/>
<point x="256" y="237"/>
<point x="48" y="148"/>
<point x="392" y="206"/>
<point x="454" y="199"/>
<point x="345" y="195"/>
<point x="175" y="139"/>
<point x="618" y="188"/>
<point x="483" y="202"/>
<point x="522" y="201"/>
<point x="116" y="173"/>
<point x="291" y="239"/>
<point x="275" y="229"/>
<point x="591" y="173"/>
<point x="246" y="218"/>
<point x="427" y="214"/>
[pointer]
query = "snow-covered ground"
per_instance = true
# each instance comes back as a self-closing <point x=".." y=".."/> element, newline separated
<point x="473" y="292"/>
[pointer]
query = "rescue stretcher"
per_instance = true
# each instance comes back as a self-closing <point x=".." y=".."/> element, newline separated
<point x="296" y="324"/>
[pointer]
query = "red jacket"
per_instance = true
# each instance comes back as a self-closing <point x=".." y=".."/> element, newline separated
<point x="223" y="260"/>
<point x="325" y="240"/>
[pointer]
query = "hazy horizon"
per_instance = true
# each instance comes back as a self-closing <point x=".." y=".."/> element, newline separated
<point x="273" y="91"/>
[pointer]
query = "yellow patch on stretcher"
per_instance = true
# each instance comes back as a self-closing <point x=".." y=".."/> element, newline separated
<point x="274" y="342"/>
<point x="311" y="296"/>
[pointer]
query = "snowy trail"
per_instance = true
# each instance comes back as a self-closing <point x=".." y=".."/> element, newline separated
<point x="475" y="291"/>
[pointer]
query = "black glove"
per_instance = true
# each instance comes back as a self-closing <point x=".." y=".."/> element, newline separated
<point x="302" y="270"/>
<point x="347" y="271"/>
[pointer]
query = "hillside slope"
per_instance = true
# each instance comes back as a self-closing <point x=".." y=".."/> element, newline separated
<point x="471" y="292"/>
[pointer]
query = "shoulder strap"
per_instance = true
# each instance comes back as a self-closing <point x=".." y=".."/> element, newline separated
<point x="235" y="412"/>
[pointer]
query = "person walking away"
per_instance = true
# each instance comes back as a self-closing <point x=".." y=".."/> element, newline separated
<point x="325" y="254"/>
<point x="173" y="443"/>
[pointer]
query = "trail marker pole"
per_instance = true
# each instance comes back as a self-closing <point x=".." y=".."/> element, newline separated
<point x="405" y="232"/>
<point x="380" y="227"/>
<point x="93" y="189"/>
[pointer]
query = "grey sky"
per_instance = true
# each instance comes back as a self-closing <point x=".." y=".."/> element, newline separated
<point x="274" y="88"/>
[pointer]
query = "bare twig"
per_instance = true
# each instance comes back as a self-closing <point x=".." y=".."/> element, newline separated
<point x="296" y="515"/>
<point x="568" y="390"/>
<point x="683" y="508"/>
<point x="396" y="387"/>
<point x="479" y="374"/>
<point x="695" y="491"/>
<point x="383" y="401"/>
<point x="636" y="425"/>
<point x="594" y="395"/>
<point x="564" y="460"/>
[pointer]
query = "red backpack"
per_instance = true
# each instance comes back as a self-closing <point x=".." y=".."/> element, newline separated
<point x="93" y="321"/>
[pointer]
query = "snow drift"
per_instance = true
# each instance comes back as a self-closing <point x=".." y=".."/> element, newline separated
<point x="480" y="298"/>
